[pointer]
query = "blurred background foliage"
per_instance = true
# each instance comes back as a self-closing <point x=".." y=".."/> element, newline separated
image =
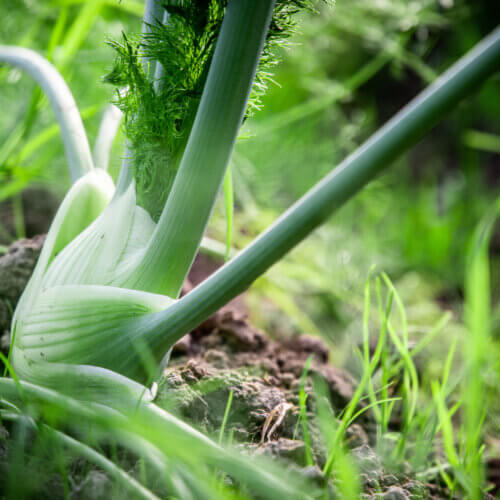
<point x="344" y="74"/>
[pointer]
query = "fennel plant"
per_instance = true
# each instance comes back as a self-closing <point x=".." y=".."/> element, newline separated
<point x="101" y="309"/>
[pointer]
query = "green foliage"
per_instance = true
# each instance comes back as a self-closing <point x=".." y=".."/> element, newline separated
<point x="160" y="105"/>
<point x="61" y="31"/>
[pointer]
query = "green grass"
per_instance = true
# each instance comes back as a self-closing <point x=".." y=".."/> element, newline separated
<point x="302" y="420"/>
<point x="226" y="415"/>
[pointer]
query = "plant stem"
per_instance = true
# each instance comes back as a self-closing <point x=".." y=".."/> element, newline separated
<point x="401" y="132"/>
<point x="108" y="128"/>
<point x="153" y="11"/>
<point x="62" y="102"/>
<point x="18" y="209"/>
<point x="229" y="202"/>
<point x="160" y="70"/>
<point x="174" y="244"/>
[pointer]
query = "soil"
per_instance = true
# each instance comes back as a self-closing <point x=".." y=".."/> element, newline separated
<point x="16" y="267"/>
<point x="39" y="206"/>
<point x="227" y="354"/>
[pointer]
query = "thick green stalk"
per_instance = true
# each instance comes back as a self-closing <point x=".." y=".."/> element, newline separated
<point x="401" y="132"/>
<point x="174" y="244"/>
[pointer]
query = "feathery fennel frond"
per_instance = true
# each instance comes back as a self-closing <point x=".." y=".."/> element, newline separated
<point x="159" y="114"/>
